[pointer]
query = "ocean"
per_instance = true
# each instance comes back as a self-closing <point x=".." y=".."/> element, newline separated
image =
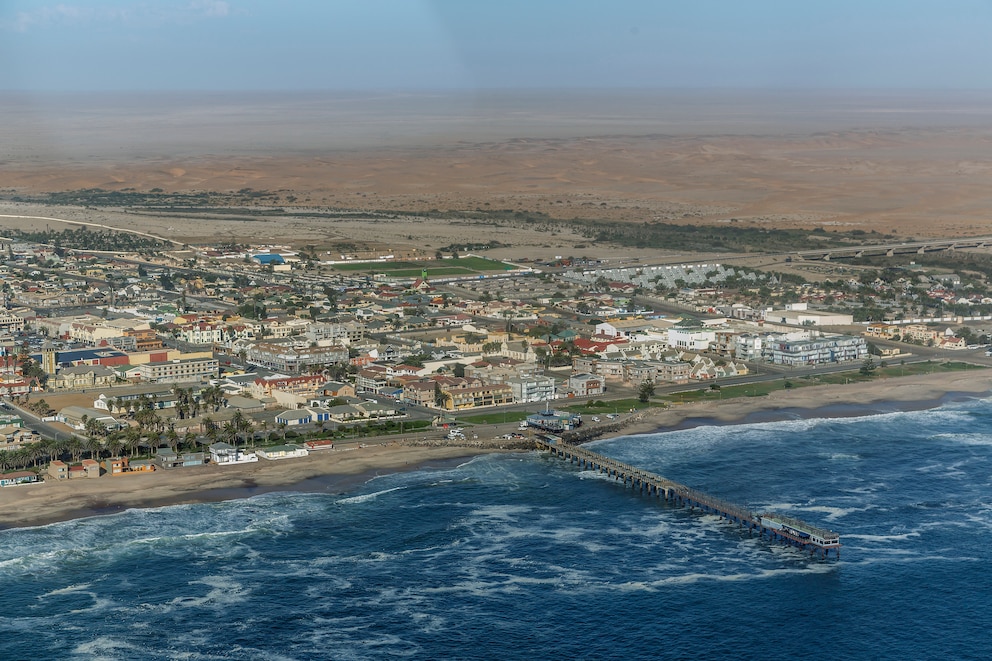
<point x="524" y="556"/>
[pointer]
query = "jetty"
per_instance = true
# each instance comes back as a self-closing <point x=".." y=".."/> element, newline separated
<point x="777" y="527"/>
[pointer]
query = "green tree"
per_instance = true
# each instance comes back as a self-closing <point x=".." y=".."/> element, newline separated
<point x="645" y="391"/>
<point x="868" y="367"/>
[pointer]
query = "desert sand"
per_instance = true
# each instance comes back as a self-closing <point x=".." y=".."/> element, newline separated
<point x="48" y="502"/>
<point x="911" y="165"/>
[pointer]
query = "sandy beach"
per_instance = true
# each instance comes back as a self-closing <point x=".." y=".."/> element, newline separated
<point x="342" y="469"/>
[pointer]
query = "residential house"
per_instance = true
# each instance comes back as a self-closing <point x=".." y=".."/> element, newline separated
<point x="295" y="417"/>
<point x="288" y="451"/>
<point x="585" y="384"/>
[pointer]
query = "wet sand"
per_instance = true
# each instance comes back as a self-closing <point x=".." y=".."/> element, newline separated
<point x="343" y="469"/>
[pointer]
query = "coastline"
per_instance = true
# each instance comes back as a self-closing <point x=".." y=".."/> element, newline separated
<point x="344" y="469"/>
<point x="905" y="393"/>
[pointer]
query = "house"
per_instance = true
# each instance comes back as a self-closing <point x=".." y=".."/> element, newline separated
<point x="58" y="470"/>
<point x="225" y="454"/>
<point x="77" y="417"/>
<point x="13" y="437"/>
<point x="586" y="385"/>
<point x="17" y="478"/>
<point x="166" y="458"/>
<point x="295" y="418"/>
<point x="345" y="413"/>
<point x="283" y="452"/>
<point x="115" y="465"/>
<point x="336" y="389"/>
<point x="86" y="468"/>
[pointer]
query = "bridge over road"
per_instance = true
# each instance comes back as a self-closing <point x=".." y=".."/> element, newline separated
<point x="891" y="249"/>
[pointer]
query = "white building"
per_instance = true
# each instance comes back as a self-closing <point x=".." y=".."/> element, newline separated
<point x="225" y="454"/>
<point x="796" y="314"/>
<point x="282" y="452"/>
<point x="531" y="388"/>
<point x="691" y="338"/>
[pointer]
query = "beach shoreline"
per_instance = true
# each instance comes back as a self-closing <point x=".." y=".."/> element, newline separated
<point x="344" y="469"/>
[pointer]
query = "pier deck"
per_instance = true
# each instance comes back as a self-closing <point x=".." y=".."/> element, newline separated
<point x="780" y="528"/>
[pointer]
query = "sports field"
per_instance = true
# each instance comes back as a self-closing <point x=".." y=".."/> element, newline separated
<point x="447" y="267"/>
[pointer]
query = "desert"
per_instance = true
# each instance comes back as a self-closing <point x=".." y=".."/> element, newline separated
<point x="907" y="165"/>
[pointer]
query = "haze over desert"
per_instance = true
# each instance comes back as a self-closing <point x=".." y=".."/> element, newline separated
<point x="913" y="164"/>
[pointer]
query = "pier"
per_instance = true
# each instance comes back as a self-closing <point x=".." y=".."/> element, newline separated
<point x="776" y="527"/>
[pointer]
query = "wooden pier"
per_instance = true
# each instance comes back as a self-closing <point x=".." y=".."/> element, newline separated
<point x="776" y="527"/>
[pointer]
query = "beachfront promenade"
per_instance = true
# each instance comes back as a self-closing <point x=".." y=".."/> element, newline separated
<point x="777" y="527"/>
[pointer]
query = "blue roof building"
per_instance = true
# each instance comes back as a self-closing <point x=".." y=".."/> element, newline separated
<point x="268" y="258"/>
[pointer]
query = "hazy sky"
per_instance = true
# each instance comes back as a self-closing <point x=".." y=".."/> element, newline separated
<point x="477" y="44"/>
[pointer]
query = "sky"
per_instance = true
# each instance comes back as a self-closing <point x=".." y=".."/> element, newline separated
<point x="160" y="45"/>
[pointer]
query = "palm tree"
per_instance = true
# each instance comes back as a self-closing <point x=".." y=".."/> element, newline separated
<point x="230" y="433"/>
<point x="132" y="437"/>
<point x="210" y="429"/>
<point x="189" y="440"/>
<point x="21" y="457"/>
<point x="172" y="438"/>
<point x="75" y="449"/>
<point x="94" y="446"/>
<point x="114" y="445"/>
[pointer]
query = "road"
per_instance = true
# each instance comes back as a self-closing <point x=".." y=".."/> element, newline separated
<point x="32" y="421"/>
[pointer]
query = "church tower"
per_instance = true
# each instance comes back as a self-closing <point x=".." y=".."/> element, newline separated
<point x="48" y="363"/>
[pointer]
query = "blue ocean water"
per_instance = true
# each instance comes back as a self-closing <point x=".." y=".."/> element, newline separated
<point x="523" y="556"/>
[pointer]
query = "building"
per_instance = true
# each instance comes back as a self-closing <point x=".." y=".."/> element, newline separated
<point x="289" y="358"/>
<point x="191" y="370"/>
<point x="796" y="314"/>
<point x="58" y="470"/>
<point x="81" y="377"/>
<point x="554" y="421"/>
<point x="691" y="338"/>
<point x="815" y="351"/>
<point x="295" y="418"/>
<point x="531" y="388"/>
<point x="288" y="451"/>
<point x="584" y="385"/>
<point x="336" y="389"/>
<point x="18" y="478"/>
<point x="10" y="322"/>
<point x="77" y="417"/>
<point x="225" y="454"/>
<point x="344" y="333"/>
<point x="304" y="385"/>
<point x="13" y="437"/>
<point x="466" y="397"/>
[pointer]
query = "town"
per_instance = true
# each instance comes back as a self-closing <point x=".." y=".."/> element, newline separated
<point x="124" y="353"/>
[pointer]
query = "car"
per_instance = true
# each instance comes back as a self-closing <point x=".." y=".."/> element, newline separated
<point x="595" y="418"/>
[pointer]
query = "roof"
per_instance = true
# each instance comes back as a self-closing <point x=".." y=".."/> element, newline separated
<point x="296" y="414"/>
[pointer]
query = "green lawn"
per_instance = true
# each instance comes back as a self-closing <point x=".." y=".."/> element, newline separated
<point x="597" y="406"/>
<point x="444" y="270"/>
<point x="477" y="264"/>
<point x="494" y="418"/>
<point x="909" y="369"/>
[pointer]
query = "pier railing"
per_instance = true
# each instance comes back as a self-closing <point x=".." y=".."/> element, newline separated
<point x="680" y="494"/>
